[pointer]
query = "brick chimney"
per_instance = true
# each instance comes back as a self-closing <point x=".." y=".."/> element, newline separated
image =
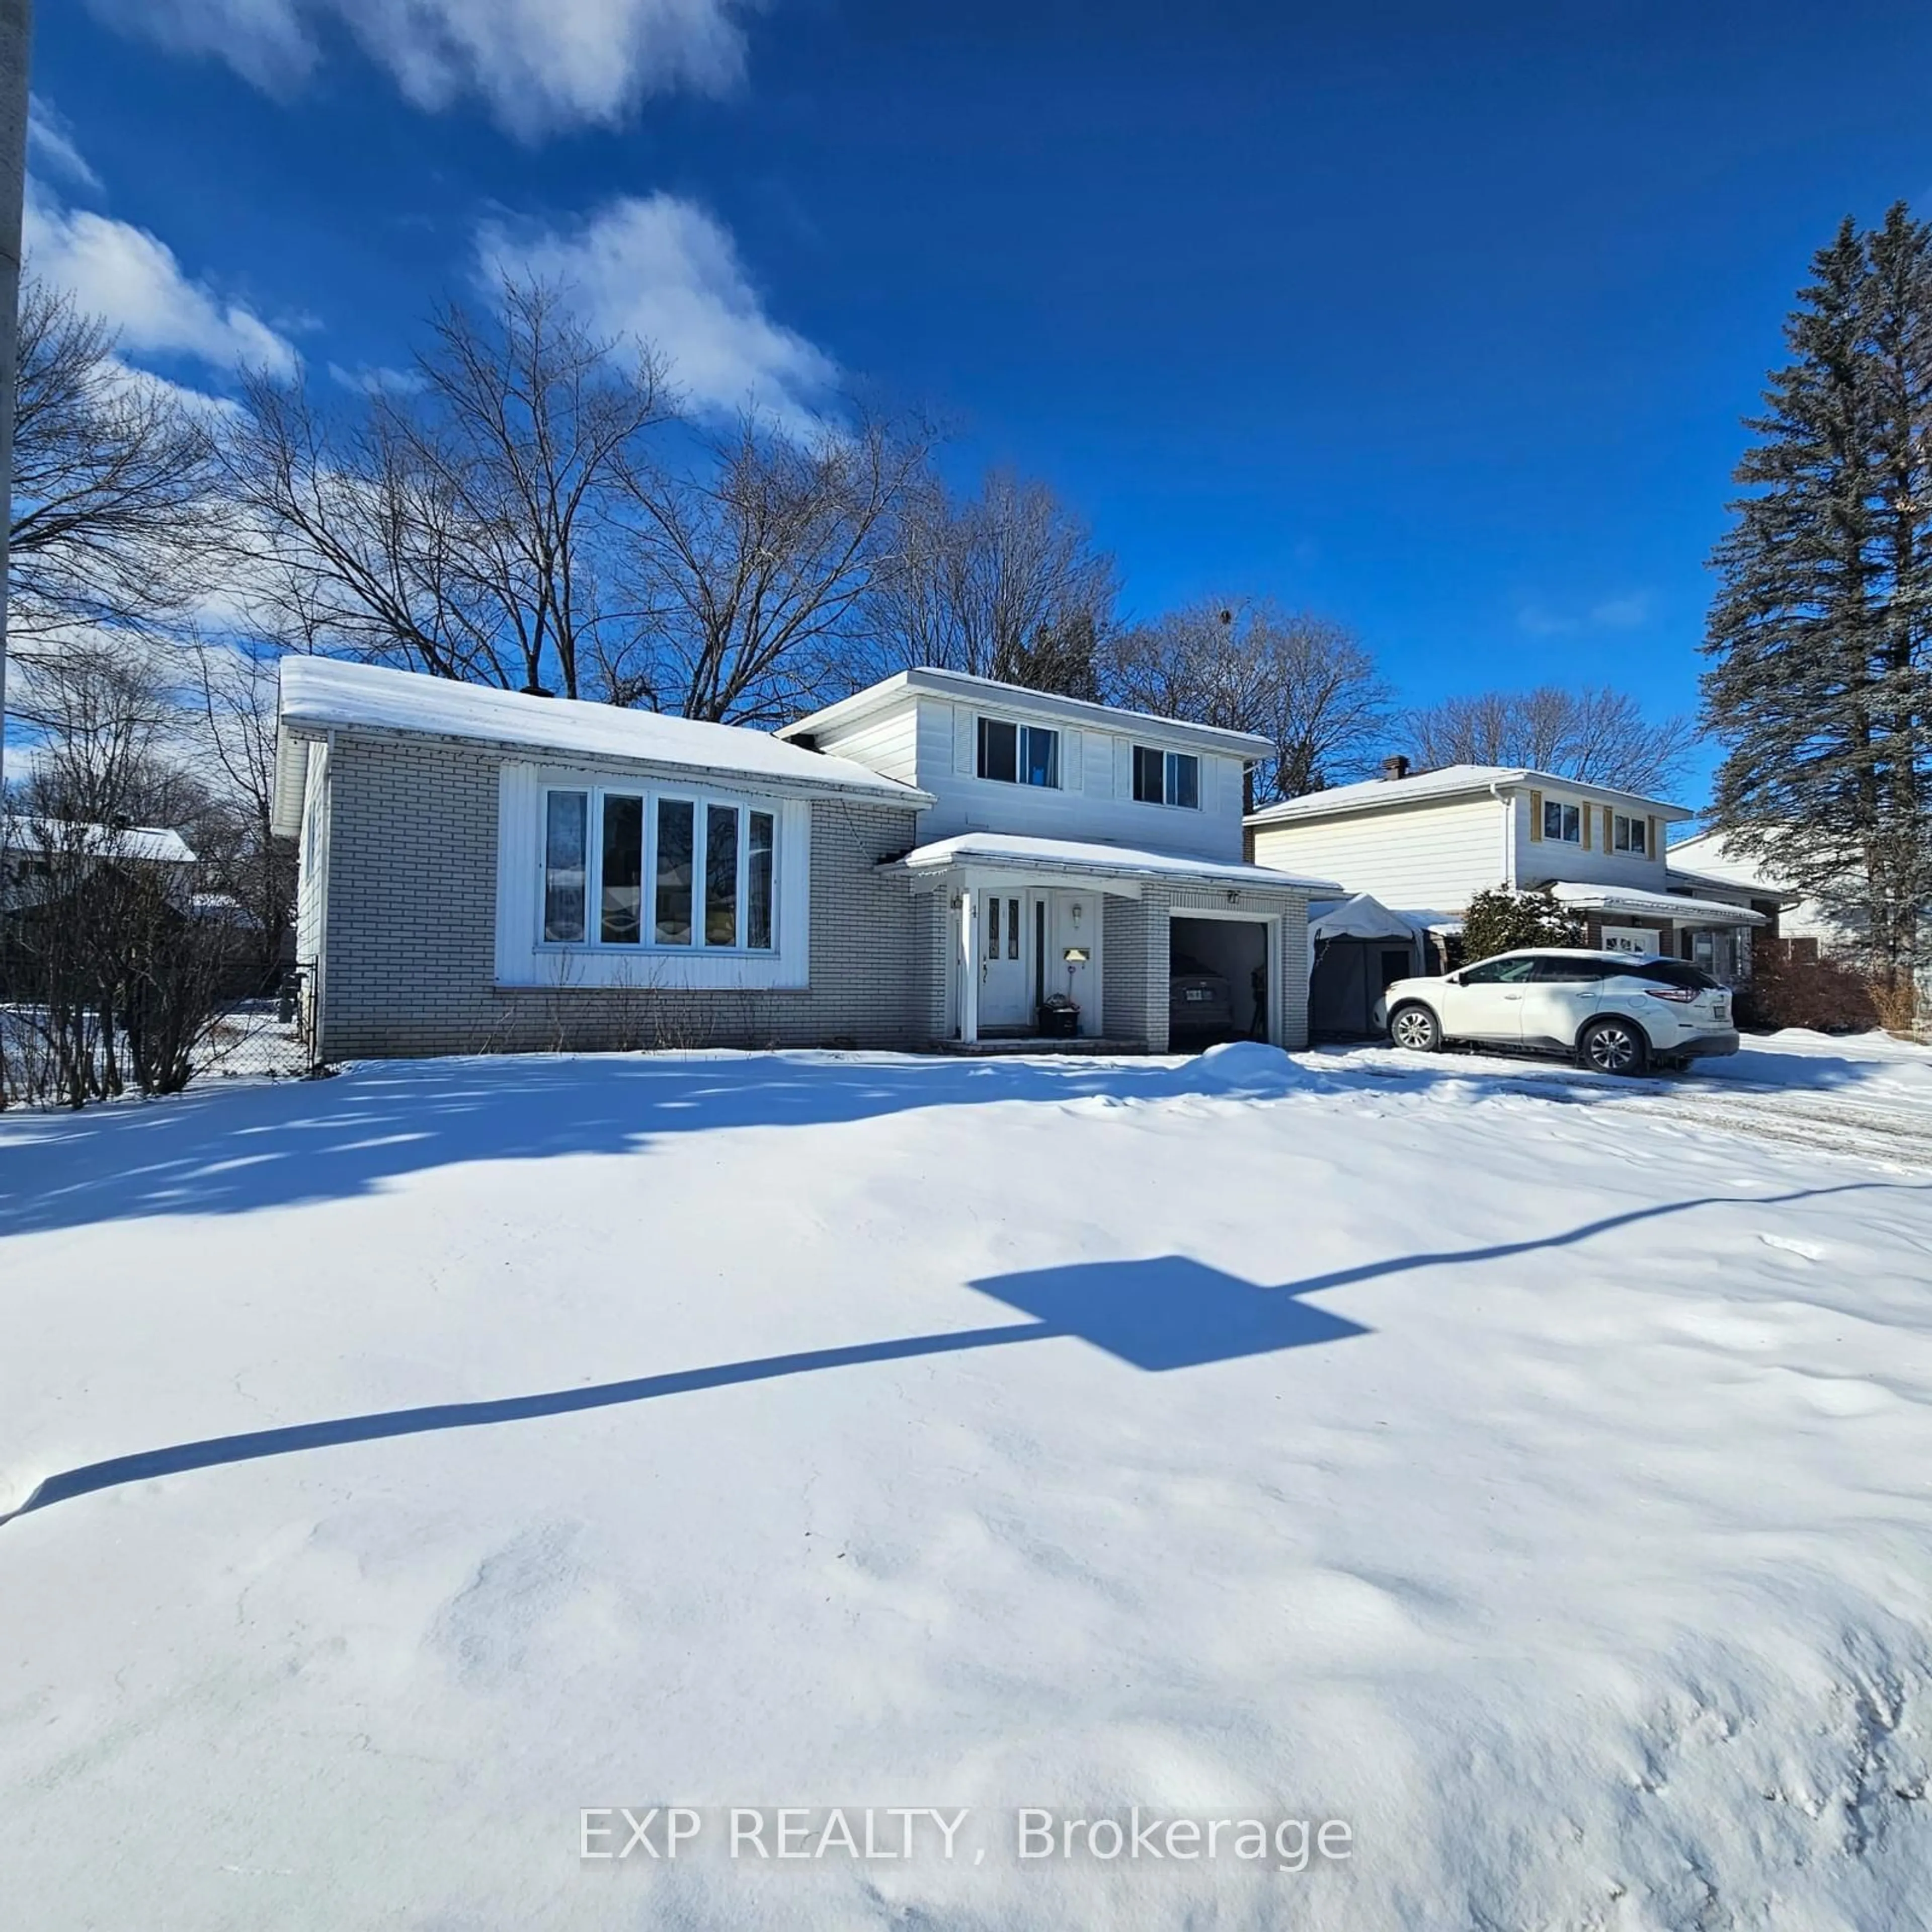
<point x="1395" y="767"/>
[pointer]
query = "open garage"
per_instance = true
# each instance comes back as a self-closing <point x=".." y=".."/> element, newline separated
<point x="1217" y="977"/>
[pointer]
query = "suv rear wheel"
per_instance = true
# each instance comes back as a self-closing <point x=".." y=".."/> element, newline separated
<point x="1614" y="1046"/>
<point x="1416" y="1028"/>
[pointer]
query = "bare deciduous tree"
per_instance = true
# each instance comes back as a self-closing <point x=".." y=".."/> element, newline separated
<point x="1006" y="584"/>
<point x="756" y="565"/>
<point x="112" y="504"/>
<point x="461" y="527"/>
<point x="239" y="853"/>
<point x="1305" y="683"/>
<point x="112" y="979"/>
<point x="1597" y="736"/>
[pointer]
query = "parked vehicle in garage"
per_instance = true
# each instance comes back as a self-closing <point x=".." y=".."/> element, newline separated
<point x="1199" y="999"/>
<point x="1616" y="1013"/>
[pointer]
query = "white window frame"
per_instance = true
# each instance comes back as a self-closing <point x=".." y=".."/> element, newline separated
<point x="700" y="799"/>
<point x="1569" y="822"/>
<point x="1629" y="834"/>
<point x="1169" y="761"/>
<point x="1021" y="728"/>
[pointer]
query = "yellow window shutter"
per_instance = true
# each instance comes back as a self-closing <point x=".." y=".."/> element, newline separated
<point x="1589" y="812"/>
<point x="1651" y="848"/>
<point x="1536" y="816"/>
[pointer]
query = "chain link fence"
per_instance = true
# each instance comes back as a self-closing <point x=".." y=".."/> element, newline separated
<point x="55" y="1055"/>
<point x="259" y="1036"/>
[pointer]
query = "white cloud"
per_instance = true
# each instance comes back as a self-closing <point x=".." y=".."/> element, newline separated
<point x="52" y="148"/>
<point x="1621" y="614"/>
<point x="537" y="64"/>
<point x="1630" y="612"/>
<point x="133" y="278"/>
<point x="376" y="379"/>
<point x="663" y="270"/>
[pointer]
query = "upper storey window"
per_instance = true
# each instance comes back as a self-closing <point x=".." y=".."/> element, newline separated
<point x="1563" y="823"/>
<point x="1166" y="778"/>
<point x="1026" y="755"/>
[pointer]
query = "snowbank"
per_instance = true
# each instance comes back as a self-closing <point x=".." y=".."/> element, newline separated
<point x="1245" y="1067"/>
<point x="1873" y="1062"/>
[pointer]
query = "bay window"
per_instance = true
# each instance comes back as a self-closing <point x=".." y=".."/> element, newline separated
<point x="710" y="865"/>
<point x="565" y="867"/>
<point x="721" y="875"/>
<point x="677" y="841"/>
<point x="622" y="872"/>
<point x="758" y="882"/>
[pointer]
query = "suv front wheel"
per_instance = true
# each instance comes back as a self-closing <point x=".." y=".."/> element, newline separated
<point x="1613" y="1046"/>
<point x="1416" y="1028"/>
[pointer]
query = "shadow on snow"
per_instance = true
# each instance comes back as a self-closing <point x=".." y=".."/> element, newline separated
<point x="1157" y="1315"/>
<point x="232" y="1150"/>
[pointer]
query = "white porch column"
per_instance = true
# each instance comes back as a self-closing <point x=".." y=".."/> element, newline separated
<point x="969" y="966"/>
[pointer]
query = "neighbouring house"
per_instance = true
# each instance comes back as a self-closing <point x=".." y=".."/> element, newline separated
<point x="43" y="858"/>
<point x="52" y="874"/>
<point x="1713" y="866"/>
<point x="1426" y="843"/>
<point x="940" y="860"/>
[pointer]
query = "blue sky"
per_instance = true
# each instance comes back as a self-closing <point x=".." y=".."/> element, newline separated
<point x="1440" y="321"/>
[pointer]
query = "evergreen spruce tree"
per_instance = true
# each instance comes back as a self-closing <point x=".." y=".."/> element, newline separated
<point x="1821" y="685"/>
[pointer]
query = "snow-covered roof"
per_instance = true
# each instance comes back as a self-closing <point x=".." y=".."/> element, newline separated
<point x="1016" y="852"/>
<point x="989" y="690"/>
<point x="1710" y="855"/>
<point x="1660" y="905"/>
<point x="156" y="844"/>
<point x="321" y="694"/>
<point x="1361" y="917"/>
<point x="1676" y="876"/>
<point x="1448" y="781"/>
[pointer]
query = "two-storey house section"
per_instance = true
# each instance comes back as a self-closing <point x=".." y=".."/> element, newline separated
<point x="1079" y="866"/>
<point x="998" y="758"/>
<point x="1427" y="843"/>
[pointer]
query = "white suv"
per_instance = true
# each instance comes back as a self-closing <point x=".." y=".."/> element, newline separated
<point x="1617" y="1013"/>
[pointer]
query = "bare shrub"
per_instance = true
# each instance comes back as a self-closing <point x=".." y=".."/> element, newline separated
<point x="1793" y="984"/>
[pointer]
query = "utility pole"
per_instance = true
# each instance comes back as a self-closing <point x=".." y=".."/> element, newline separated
<point x="16" y="24"/>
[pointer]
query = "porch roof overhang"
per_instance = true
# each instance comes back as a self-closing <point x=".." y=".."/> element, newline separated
<point x="972" y="856"/>
<point x="1655" y="905"/>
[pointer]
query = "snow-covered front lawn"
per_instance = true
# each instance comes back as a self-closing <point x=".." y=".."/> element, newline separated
<point x="1532" y="1472"/>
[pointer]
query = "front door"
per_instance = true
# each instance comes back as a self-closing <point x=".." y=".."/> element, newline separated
<point x="1005" y="964"/>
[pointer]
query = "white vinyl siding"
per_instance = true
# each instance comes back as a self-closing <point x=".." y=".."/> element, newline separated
<point x="312" y="885"/>
<point x="1101" y="807"/>
<point x="888" y="743"/>
<point x="933" y="742"/>
<point x="1593" y="862"/>
<point x="1426" y="857"/>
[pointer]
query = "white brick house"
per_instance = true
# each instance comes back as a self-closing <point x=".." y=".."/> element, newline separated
<point x="927" y="863"/>
<point x="1428" y="843"/>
